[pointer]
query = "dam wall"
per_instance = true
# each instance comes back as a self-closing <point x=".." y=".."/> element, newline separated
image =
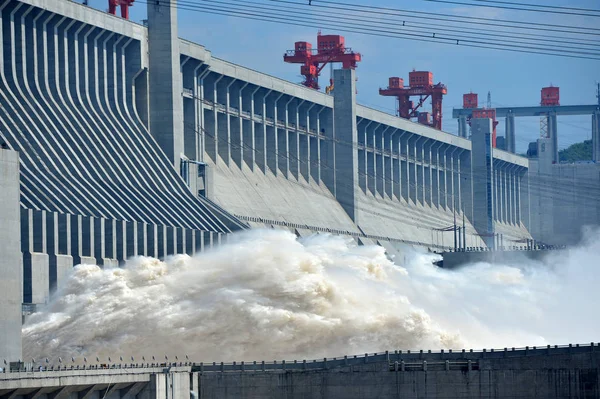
<point x="571" y="371"/>
<point x="11" y="268"/>
<point x="109" y="168"/>
<point x="236" y="131"/>
<point x="410" y="180"/>
<point x="564" y="198"/>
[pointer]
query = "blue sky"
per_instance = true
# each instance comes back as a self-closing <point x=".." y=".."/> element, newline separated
<point x="512" y="78"/>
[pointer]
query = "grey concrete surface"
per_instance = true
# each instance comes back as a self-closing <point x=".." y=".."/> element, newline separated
<point x="544" y="372"/>
<point x="563" y="199"/>
<point x="166" y="106"/>
<point x="168" y="382"/>
<point x="483" y="187"/>
<point x="345" y="157"/>
<point x="11" y="270"/>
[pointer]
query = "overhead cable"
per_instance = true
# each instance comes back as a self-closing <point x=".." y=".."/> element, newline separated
<point x="434" y="38"/>
<point x="357" y="18"/>
<point x="461" y="18"/>
<point x="521" y="8"/>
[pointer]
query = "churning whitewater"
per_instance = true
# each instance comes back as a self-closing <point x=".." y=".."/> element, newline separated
<point x="268" y="295"/>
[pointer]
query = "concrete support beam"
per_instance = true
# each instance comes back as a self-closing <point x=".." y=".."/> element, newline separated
<point x="596" y="136"/>
<point x="11" y="268"/>
<point x="315" y="148"/>
<point x="553" y="135"/>
<point x="166" y="102"/>
<point x="345" y="134"/>
<point x="36" y="264"/>
<point x="272" y="136"/>
<point x="509" y="135"/>
<point x="326" y="150"/>
<point x="363" y="161"/>
<point x="482" y="171"/>
<point x="59" y="258"/>
<point x="466" y="187"/>
<point x="463" y="128"/>
<point x="283" y="141"/>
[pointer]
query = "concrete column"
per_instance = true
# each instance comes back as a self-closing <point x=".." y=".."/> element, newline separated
<point x="165" y="84"/>
<point x="596" y="136"/>
<point x="211" y="134"/>
<point x="397" y="164"/>
<point x="379" y="162"/>
<point x="121" y="241"/>
<point x="327" y="150"/>
<point x="466" y="186"/>
<point x="482" y="171"/>
<point x="363" y="162"/>
<point x="406" y="168"/>
<point x="453" y="199"/>
<point x="372" y="160"/>
<point x="11" y="266"/>
<point x="236" y="142"/>
<point x="203" y="127"/>
<point x="36" y="263"/>
<point x="463" y="127"/>
<point x="224" y="141"/>
<point x="505" y="194"/>
<point x="496" y="183"/>
<point x="524" y="199"/>
<point x="99" y="249"/>
<point x="511" y="194"/>
<point x="251" y="151"/>
<point x="272" y="140"/>
<point x="426" y="189"/>
<point x="283" y="140"/>
<point x="514" y="198"/>
<point x="345" y="134"/>
<point x="459" y="179"/>
<point x="304" y="146"/>
<point x="191" y="127"/>
<point x="553" y="134"/>
<point x="434" y="175"/>
<point x="442" y="179"/>
<point x="315" y="149"/>
<point x="509" y="124"/>
<point x="502" y="205"/>
<point x="390" y="189"/>
<point x="64" y="261"/>
<point x="260" y="137"/>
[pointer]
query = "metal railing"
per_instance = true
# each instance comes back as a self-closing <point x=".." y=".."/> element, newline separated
<point x="412" y="360"/>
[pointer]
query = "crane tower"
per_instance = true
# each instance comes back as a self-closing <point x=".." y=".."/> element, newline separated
<point x="330" y="49"/>
<point x="420" y="84"/>
<point x="124" y="4"/>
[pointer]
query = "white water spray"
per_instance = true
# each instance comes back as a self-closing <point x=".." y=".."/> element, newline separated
<point x="267" y="295"/>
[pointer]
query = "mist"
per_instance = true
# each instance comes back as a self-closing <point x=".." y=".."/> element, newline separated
<point x="267" y="295"/>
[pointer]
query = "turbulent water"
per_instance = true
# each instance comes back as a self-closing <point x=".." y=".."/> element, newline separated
<point x="267" y="295"/>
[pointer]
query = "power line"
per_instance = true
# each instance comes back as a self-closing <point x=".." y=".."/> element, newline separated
<point x="410" y="26"/>
<point x="539" y="5"/>
<point x="320" y="23"/>
<point x="465" y="19"/>
<point x="515" y="8"/>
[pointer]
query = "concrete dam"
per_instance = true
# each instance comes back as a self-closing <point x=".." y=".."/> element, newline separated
<point x="507" y="373"/>
<point x="119" y="139"/>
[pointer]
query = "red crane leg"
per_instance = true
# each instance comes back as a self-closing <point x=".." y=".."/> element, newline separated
<point x="112" y="7"/>
<point x="436" y="110"/>
<point x="125" y="10"/>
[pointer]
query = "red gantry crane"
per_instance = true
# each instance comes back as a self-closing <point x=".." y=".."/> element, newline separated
<point x="421" y="84"/>
<point x="124" y="4"/>
<point x="330" y="48"/>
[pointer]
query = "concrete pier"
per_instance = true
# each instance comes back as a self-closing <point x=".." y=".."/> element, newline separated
<point x="568" y="371"/>
<point x="11" y="269"/>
